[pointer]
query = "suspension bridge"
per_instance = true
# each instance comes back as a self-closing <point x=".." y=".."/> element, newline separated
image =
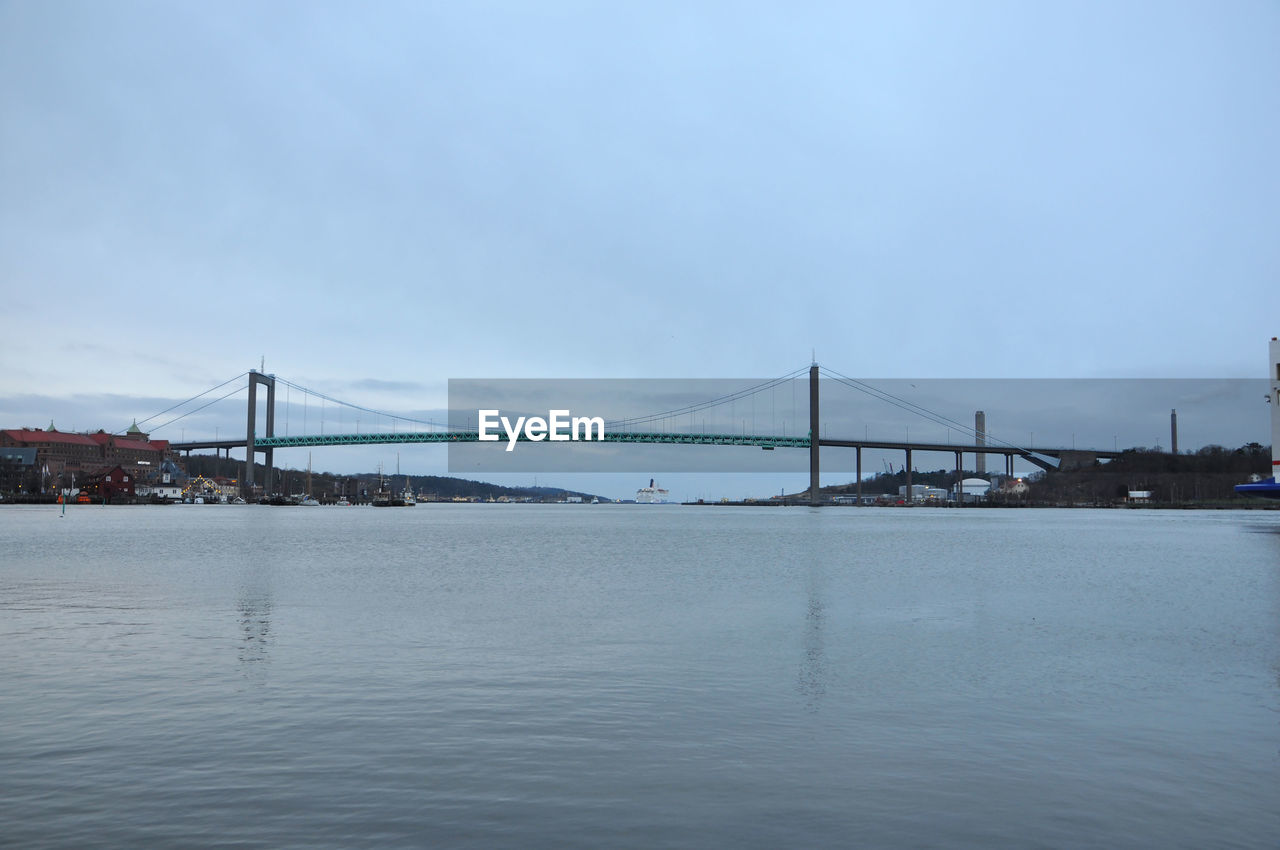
<point x="632" y="430"/>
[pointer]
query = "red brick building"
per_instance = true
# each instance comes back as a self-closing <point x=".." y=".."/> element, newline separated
<point x="111" y="485"/>
<point x="60" y="456"/>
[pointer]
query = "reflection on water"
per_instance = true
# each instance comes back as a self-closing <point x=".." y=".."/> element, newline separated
<point x="254" y="609"/>
<point x="812" y="681"/>
<point x="485" y="676"/>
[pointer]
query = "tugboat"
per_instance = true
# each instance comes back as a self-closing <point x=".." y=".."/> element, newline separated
<point x="384" y="498"/>
<point x="381" y="496"/>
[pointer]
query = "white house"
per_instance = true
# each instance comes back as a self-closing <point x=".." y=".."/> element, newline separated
<point x="1015" y="487"/>
<point x="168" y="492"/>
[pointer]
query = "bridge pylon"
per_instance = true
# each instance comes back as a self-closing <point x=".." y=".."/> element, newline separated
<point x="269" y="381"/>
<point x="815" y="441"/>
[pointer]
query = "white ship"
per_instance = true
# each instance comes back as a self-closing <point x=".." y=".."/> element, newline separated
<point x="651" y="495"/>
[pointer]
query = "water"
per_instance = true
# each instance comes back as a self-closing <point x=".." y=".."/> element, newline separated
<point x="587" y="676"/>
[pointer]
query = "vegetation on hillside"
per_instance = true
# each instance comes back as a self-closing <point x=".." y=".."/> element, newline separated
<point x="1207" y="475"/>
<point x="326" y="485"/>
<point x="1204" y="476"/>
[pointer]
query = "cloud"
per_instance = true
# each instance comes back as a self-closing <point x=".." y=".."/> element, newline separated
<point x="383" y="386"/>
<point x="377" y="199"/>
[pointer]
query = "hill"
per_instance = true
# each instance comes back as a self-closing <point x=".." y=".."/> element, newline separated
<point x="327" y="485"/>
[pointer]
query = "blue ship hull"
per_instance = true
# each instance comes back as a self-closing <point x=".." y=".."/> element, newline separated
<point x="1268" y="489"/>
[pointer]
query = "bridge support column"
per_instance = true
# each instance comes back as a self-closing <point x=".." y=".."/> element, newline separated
<point x="271" y="429"/>
<point x="246" y="480"/>
<point x="255" y="378"/>
<point x="859" y="474"/>
<point x="960" y="479"/>
<point x="908" y="500"/>
<point x="815" y="441"/>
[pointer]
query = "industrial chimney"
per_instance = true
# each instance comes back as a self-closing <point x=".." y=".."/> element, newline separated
<point x="980" y="432"/>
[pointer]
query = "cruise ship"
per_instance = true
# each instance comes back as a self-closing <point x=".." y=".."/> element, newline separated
<point x="651" y="495"/>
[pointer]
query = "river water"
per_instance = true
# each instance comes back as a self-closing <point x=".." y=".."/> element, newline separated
<point x="603" y="676"/>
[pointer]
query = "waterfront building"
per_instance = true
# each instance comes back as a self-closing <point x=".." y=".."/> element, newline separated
<point x="18" y="470"/>
<point x="159" y="492"/>
<point x="63" y="456"/>
<point x="972" y="490"/>
<point x="228" y="488"/>
<point x="109" y="485"/>
<point x="917" y="492"/>
<point x="1015" y="487"/>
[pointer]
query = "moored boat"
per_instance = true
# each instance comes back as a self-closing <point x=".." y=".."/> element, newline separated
<point x="309" y="501"/>
<point x="384" y="498"/>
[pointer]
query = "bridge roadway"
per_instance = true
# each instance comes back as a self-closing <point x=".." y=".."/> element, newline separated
<point x="1046" y="458"/>
<point x="766" y="442"/>
<point x="1062" y="457"/>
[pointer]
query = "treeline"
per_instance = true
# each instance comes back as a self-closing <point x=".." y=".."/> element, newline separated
<point x="889" y="482"/>
<point x="326" y="485"/>
<point x="1208" y="475"/>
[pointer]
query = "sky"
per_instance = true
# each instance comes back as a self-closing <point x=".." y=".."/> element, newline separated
<point x="373" y="199"/>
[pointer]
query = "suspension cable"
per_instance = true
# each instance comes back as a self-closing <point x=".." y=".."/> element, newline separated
<point x="626" y="422"/>
<point x="690" y="409"/>
<point x="374" y="411"/>
<point x="700" y="406"/>
<point x="912" y="407"/>
<point x="188" y="401"/>
<point x="201" y="407"/>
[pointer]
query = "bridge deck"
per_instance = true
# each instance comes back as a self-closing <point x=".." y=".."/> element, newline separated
<point x="649" y="437"/>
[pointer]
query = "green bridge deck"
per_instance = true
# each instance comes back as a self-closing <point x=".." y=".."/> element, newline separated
<point x="764" y="442"/>
<point x="767" y="442"/>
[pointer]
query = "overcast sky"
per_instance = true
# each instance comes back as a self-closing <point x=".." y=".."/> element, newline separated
<point x="379" y="197"/>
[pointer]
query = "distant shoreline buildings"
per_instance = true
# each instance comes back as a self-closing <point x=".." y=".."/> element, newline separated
<point x="35" y="461"/>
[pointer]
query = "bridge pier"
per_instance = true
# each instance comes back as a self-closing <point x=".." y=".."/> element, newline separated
<point x="270" y="430"/>
<point x="859" y="474"/>
<point x="960" y="478"/>
<point x="815" y="439"/>
<point x="269" y="381"/>
<point x="908" y="499"/>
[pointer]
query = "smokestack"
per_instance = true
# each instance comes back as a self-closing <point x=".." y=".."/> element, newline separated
<point x="1173" y="430"/>
<point x="980" y="428"/>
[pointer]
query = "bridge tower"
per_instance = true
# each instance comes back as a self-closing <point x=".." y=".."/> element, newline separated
<point x="269" y="381"/>
<point x="815" y="437"/>
<point x="980" y="430"/>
